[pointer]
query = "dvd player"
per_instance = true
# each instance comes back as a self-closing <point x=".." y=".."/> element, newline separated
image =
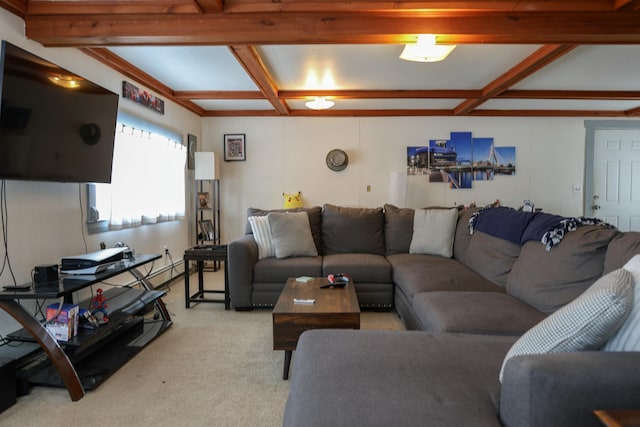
<point x="92" y="262"/>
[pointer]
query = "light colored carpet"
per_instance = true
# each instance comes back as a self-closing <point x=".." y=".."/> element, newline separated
<point x="211" y="368"/>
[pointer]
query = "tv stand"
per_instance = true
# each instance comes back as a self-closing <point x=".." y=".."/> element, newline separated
<point x="69" y="365"/>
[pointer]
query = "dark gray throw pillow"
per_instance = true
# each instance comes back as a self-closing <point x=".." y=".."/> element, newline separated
<point x="352" y="230"/>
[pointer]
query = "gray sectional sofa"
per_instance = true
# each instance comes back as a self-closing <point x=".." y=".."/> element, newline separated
<point x="464" y="314"/>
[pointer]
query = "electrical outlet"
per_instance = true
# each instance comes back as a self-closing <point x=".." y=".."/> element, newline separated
<point x="166" y="250"/>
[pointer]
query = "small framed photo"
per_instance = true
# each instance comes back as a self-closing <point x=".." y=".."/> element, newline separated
<point x="203" y="200"/>
<point x="235" y="147"/>
<point x="206" y="229"/>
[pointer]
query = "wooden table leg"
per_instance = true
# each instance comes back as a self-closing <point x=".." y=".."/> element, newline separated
<point x="57" y="356"/>
<point x="287" y="363"/>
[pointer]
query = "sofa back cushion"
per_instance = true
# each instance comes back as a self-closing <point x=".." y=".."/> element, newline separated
<point x="352" y="230"/>
<point x="462" y="237"/>
<point x="491" y="257"/>
<point x="547" y="280"/>
<point x="315" y="221"/>
<point x="398" y="229"/>
<point x="621" y="249"/>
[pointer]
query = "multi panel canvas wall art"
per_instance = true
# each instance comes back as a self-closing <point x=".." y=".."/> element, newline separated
<point x="461" y="159"/>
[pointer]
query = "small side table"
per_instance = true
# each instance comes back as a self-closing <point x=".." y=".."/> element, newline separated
<point x="200" y="254"/>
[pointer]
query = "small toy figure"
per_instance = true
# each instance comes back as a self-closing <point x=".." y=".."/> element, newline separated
<point x="99" y="305"/>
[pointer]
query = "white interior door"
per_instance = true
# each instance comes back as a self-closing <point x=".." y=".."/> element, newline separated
<point x="616" y="185"/>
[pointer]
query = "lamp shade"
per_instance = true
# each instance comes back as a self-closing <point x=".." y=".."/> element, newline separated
<point x="206" y="165"/>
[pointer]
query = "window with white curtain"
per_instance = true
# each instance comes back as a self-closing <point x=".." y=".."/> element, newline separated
<point x="147" y="182"/>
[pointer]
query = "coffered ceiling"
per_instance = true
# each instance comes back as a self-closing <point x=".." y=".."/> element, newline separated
<point x="267" y="57"/>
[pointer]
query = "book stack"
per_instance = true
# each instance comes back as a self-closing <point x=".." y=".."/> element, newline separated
<point x="62" y="321"/>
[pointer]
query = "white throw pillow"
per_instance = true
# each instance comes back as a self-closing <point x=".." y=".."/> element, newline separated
<point x="262" y="235"/>
<point x="584" y="324"/>
<point x="627" y="338"/>
<point x="434" y="231"/>
<point x="291" y="234"/>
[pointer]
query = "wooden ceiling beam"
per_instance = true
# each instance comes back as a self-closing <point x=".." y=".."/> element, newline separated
<point x="58" y="7"/>
<point x="17" y="7"/>
<point x="419" y="113"/>
<point x="524" y="69"/>
<point x="332" y="28"/>
<point x="250" y="60"/>
<point x="617" y="95"/>
<point x="210" y="5"/>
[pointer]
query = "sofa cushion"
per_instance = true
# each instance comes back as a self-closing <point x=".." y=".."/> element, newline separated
<point x="584" y="324"/>
<point x="261" y="230"/>
<point x="547" y="280"/>
<point x="362" y="268"/>
<point x="413" y="274"/>
<point x="274" y="270"/>
<point x="621" y="249"/>
<point x="627" y="338"/>
<point x="315" y="221"/>
<point x="433" y="231"/>
<point x="462" y="236"/>
<point x="492" y="257"/>
<point x="491" y="313"/>
<point x="291" y="234"/>
<point x="352" y="230"/>
<point x="398" y="229"/>
<point x="395" y="378"/>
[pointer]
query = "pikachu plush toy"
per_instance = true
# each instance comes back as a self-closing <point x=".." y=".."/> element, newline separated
<point x="292" y="201"/>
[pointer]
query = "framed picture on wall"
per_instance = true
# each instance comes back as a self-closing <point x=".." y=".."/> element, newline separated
<point x="235" y="147"/>
<point x="192" y="147"/>
<point x="206" y="229"/>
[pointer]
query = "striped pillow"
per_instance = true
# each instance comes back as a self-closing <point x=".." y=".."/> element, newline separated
<point x="584" y="324"/>
<point x="262" y="234"/>
<point x="627" y="338"/>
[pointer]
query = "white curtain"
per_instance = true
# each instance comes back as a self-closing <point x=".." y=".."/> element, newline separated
<point x="147" y="182"/>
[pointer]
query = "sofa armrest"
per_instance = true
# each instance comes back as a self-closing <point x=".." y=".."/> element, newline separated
<point x="563" y="389"/>
<point x="242" y="255"/>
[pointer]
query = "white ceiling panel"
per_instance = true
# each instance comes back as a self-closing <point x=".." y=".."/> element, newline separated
<point x="361" y="67"/>
<point x="557" y="104"/>
<point x="189" y="67"/>
<point x="385" y="104"/>
<point x="608" y="67"/>
<point x="233" y="104"/>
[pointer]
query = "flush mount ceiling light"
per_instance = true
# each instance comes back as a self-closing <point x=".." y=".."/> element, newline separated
<point x="425" y="49"/>
<point x="319" y="103"/>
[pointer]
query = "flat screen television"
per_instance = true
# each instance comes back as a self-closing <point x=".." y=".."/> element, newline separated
<point x="54" y="124"/>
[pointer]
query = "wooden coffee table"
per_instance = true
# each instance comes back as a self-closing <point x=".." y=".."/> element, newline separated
<point x="334" y="308"/>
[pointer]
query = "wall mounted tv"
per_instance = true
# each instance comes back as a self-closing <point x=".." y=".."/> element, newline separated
<point x="54" y="125"/>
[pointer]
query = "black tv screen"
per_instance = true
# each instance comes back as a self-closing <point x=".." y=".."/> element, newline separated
<point x="54" y="125"/>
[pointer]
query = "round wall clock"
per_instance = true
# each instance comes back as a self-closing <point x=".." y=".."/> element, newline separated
<point x="337" y="160"/>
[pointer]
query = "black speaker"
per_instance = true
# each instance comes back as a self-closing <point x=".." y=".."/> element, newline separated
<point x="45" y="273"/>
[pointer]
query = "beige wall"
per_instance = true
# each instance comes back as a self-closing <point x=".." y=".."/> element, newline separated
<point x="288" y="155"/>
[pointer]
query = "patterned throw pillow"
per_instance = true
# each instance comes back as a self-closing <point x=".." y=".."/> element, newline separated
<point x="262" y="235"/>
<point x="627" y="338"/>
<point x="584" y="324"/>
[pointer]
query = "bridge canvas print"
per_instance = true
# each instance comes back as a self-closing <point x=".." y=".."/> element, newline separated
<point x="461" y="159"/>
